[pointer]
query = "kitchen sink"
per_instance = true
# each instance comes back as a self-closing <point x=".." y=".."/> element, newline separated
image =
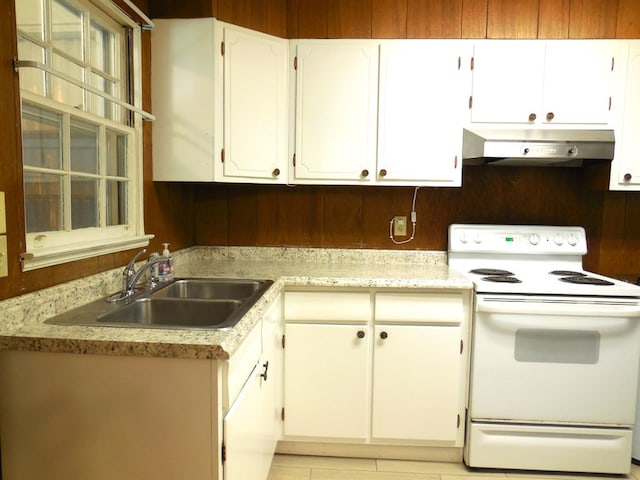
<point x="172" y="312"/>
<point x="184" y="303"/>
<point x="210" y="289"/>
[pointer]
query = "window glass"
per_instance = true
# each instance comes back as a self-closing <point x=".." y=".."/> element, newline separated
<point x="103" y="48"/>
<point x="29" y="16"/>
<point x="43" y="199"/>
<point x="66" y="29"/>
<point x="84" y="202"/>
<point x="63" y="91"/>
<point x="116" y="203"/>
<point x="116" y="154"/>
<point x="41" y="137"/>
<point x="84" y="147"/>
<point x="31" y="79"/>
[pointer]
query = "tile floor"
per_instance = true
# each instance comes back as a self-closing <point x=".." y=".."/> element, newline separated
<point x="298" y="467"/>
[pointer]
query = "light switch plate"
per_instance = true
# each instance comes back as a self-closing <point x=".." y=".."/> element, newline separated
<point x="3" y="214"/>
<point x="4" y="268"/>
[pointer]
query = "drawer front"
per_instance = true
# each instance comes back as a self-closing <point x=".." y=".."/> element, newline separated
<point x="440" y="308"/>
<point x="327" y="307"/>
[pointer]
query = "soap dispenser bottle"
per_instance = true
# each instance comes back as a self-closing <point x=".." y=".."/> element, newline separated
<point x="165" y="269"/>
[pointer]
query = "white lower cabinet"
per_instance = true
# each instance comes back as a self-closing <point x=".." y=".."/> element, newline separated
<point x="103" y="417"/>
<point x="416" y="383"/>
<point x="390" y="369"/>
<point x="252" y="425"/>
<point x="326" y="380"/>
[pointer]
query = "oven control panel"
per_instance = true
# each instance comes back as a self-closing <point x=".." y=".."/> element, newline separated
<point x="517" y="239"/>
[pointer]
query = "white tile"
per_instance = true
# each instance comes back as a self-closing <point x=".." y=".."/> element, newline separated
<point x="410" y="466"/>
<point x="338" y="463"/>
<point x="326" y="474"/>
<point x="289" y="473"/>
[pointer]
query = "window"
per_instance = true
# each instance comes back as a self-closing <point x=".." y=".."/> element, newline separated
<point x="81" y="133"/>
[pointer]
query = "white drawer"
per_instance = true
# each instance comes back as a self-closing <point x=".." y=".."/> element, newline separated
<point x="440" y="308"/>
<point x="327" y="307"/>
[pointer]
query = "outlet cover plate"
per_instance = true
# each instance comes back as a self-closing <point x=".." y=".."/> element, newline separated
<point x="400" y="226"/>
<point x="4" y="267"/>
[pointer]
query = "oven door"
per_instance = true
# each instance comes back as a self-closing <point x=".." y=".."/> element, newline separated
<point x="555" y="360"/>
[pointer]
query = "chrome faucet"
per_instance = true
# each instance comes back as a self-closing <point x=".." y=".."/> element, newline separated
<point x="131" y="276"/>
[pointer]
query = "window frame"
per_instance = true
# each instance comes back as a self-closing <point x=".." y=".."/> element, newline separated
<point x="44" y="249"/>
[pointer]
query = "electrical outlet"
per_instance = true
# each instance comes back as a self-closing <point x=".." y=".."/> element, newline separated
<point x="400" y="226"/>
<point x="4" y="268"/>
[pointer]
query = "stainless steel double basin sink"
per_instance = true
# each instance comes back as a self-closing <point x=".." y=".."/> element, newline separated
<point x="186" y="303"/>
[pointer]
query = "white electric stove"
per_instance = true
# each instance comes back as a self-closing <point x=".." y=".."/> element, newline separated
<point x="555" y="352"/>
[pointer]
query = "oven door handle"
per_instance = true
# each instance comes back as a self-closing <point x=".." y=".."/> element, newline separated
<point x="558" y="306"/>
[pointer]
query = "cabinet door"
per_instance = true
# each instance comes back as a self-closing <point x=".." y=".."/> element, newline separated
<point x="507" y="81"/>
<point x="244" y="431"/>
<point x="578" y="82"/>
<point x="326" y="380"/>
<point x="625" y="169"/>
<point x="336" y="111"/>
<point x="272" y="365"/>
<point x="416" y="383"/>
<point x="182" y="75"/>
<point x="424" y="90"/>
<point x="255" y="108"/>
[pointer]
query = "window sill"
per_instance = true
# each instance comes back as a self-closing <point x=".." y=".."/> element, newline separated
<point x="41" y="258"/>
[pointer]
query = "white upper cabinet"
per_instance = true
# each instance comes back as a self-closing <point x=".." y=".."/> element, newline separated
<point x="543" y="82"/>
<point x="183" y="63"/>
<point x="625" y="168"/>
<point x="255" y="106"/>
<point x="336" y="111"/>
<point x="424" y="90"/>
<point x="219" y="93"/>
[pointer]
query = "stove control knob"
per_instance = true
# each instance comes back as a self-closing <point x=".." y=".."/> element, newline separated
<point x="558" y="240"/>
<point x="462" y="236"/>
<point x="477" y="238"/>
<point x="534" y="239"/>
<point x="572" y="240"/>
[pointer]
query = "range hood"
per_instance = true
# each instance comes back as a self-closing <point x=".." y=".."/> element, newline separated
<point x="539" y="147"/>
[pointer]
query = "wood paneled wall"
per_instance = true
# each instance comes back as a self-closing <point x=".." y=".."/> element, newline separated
<point x="188" y="214"/>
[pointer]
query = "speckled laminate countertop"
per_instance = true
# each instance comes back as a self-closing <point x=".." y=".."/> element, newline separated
<point x="23" y="327"/>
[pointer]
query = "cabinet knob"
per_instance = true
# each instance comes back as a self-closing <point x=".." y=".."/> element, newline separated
<point x="365" y="173"/>
<point x="276" y="172"/>
<point x="383" y="335"/>
<point x="532" y="117"/>
<point x="266" y="370"/>
<point x="550" y="116"/>
<point x="383" y="173"/>
<point x="360" y="334"/>
<point x="627" y="177"/>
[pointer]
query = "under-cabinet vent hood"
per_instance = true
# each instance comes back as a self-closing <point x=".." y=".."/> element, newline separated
<point x="536" y="147"/>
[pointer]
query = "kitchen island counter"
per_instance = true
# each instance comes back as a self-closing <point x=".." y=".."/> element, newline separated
<point x="24" y="327"/>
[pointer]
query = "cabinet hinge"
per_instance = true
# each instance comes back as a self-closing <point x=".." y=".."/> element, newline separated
<point x="609" y="103"/>
<point x="222" y="155"/>
<point x="295" y="63"/>
<point x="223" y="452"/>
<point x="283" y="341"/>
<point x="282" y="414"/>
<point x="613" y="63"/>
<point x="458" y="422"/>
<point x="461" y="346"/>
<point x="455" y="162"/>
<point x="459" y="62"/>
<point x="472" y="63"/>
<point x="222" y="48"/>
<point x="294" y="159"/>
<point x="470" y="101"/>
